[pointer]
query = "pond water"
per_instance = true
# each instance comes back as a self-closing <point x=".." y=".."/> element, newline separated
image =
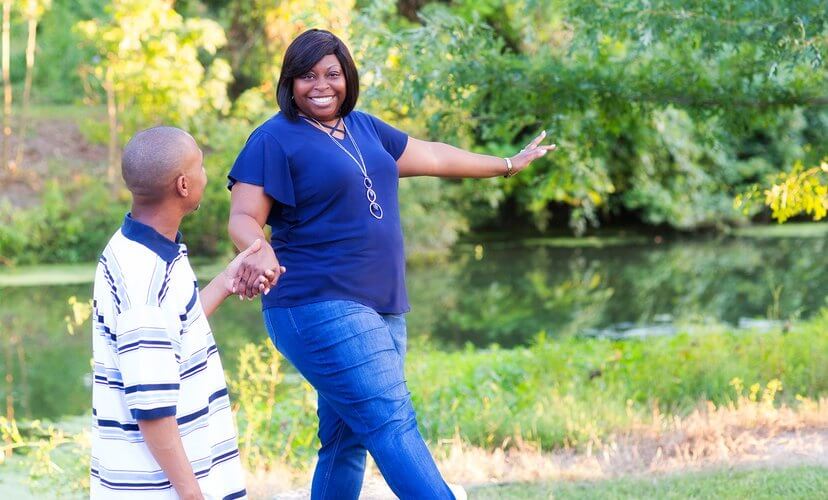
<point x="497" y="291"/>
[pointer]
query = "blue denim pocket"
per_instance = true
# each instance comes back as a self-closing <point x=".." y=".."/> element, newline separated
<point x="323" y="324"/>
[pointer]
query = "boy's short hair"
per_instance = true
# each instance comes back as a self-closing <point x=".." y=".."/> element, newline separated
<point x="152" y="159"/>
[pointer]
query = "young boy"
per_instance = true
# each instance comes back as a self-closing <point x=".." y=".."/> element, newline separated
<point x="162" y="427"/>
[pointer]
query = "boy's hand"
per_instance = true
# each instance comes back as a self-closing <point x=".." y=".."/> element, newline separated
<point x="232" y="274"/>
<point x="255" y="265"/>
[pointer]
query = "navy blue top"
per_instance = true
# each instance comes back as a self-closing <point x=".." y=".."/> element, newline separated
<point x="322" y="229"/>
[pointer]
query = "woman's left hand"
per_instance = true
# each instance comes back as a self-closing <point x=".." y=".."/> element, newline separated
<point x="530" y="153"/>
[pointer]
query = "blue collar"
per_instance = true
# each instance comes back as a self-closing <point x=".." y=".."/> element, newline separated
<point x="150" y="238"/>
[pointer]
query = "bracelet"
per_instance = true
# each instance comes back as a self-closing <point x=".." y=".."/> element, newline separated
<point x="509" y="172"/>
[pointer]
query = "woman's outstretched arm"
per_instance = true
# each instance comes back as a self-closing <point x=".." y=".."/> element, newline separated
<point x="436" y="159"/>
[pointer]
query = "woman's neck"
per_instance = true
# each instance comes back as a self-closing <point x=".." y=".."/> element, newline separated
<point x="330" y="122"/>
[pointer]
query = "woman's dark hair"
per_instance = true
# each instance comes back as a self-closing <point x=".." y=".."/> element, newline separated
<point x="303" y="53"/>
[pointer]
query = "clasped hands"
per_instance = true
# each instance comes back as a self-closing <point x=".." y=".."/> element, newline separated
<point x="255" y="270"/>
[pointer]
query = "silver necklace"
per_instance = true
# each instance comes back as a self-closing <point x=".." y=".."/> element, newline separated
<point x="373" y="207"/>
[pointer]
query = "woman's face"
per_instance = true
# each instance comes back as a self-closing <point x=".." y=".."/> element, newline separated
<point x="320" y="92"/>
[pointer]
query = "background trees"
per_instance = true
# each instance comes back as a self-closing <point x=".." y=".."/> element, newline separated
<point x="663" y="110"/>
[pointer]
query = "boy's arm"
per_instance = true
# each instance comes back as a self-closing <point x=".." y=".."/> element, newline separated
<point x="164" y="442"/>
<point x="222" y="287"/>
<point x="147" y="341"/>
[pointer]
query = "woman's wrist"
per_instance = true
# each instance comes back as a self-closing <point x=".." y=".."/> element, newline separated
<point x="510" y="169"/>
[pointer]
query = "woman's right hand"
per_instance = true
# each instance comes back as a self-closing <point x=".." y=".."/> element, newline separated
<point x="261" y="263"/>
<point x="530" y="153"/>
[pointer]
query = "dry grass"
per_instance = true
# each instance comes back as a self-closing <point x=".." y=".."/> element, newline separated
<point x="750" y="433"/>
<point x="743" y="434"/>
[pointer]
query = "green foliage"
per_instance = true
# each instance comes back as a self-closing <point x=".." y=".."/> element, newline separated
<point x="572" y="391"/>
<point x="663" y="111"/>
<point x="56" y="77"/>
<point x="765" y="484"/>
<point x="639" y="97"/>
<point x="149" y="57"/>
<point x="431" y="222"/>
<point x="556" y="393"/>
<point x="205" y="229"/>
<point x="260" y="31"/>
<point x="72" y="223"/>
<point x="56" y="459"/>
<point x="794" y="193"/>
<point x="567" y="392"/>
<point x="273" y="417"/>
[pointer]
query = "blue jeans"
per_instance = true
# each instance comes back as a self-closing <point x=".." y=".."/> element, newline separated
<point x="353" y="356"/>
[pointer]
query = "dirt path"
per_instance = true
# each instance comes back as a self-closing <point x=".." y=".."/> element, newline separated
<point x="54" y="148"/>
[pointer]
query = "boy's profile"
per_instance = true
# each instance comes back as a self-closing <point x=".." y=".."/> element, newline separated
<point x="162" y="425"/>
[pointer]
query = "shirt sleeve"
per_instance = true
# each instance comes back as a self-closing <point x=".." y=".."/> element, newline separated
<point x="393" y="140"/>
<point x="147" y="350"/>
<point x="262" y="162"/>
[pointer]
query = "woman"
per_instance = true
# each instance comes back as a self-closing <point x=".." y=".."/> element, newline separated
<point x="324" y="177"/>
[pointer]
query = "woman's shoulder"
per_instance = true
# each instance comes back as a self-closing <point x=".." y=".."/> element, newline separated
<point x="365" y="120"/>
<point x="275" y="123"/>
<point x="274" y="128"/>
<point x="361" y="116"/>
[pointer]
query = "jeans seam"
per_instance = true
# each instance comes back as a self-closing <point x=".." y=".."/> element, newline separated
<point x="337" y="442"/>
<point x="293" y="321"/>
<point x="269" y="327"/>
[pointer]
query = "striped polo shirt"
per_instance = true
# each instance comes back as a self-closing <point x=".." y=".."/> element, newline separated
<point x="154" y="356"/>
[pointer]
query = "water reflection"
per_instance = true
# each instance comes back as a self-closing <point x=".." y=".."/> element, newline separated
<point x="516" y="290"/>
<point x="504" y="292"/>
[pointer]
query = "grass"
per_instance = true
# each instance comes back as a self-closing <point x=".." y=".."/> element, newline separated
<point x="47" y="274"/>
<point x="575" y="391"/>
<point x="671" y="403"/>
<point x="13" y="481"/>
<point x="496" y="240"/>
<point x="790" y="483"/>
<point x="78" y="274"/>
<point x="787" y="230"/>
<point x="579" y="394"/>
<point x="71" y="112"/>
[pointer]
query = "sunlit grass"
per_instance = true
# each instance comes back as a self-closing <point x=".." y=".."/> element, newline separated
<point x="585" y="241"/>
<point x="47" y="274"/>
<point x="791" y="483"/>
<point x="671" y="403"/>
<point x="788" y="230"/>
<point x="72" y="112"/>
<point x="78" y="274"/>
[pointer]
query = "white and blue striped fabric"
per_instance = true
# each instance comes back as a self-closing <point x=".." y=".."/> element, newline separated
<point x="154" y="356"/>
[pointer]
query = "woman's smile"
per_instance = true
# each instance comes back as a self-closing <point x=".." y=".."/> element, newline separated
<point x="322" y="101"/>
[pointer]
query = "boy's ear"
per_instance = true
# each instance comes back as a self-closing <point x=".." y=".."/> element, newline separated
<point x="182" y="186"/>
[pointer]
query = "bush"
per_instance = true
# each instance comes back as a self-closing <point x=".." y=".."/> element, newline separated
<point x="73" y="222"/>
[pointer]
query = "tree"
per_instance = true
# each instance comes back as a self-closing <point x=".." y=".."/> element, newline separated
<point x="800" y="191"/>
<point x="7" y="88"/>
<point x="261" y="30"/>
<point x="664" y="109"/>
<point x="32" y="10"/>
<point x="149" y="68"/>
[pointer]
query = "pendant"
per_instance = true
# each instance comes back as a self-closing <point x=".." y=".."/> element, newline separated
<point x="373" y="206"/>
<point x="376" y="210"/>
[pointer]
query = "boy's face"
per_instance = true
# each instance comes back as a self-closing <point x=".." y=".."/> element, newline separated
<point x="194" y="170"/>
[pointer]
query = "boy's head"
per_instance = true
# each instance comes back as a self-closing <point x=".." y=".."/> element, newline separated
<point x="164" y="165"/>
